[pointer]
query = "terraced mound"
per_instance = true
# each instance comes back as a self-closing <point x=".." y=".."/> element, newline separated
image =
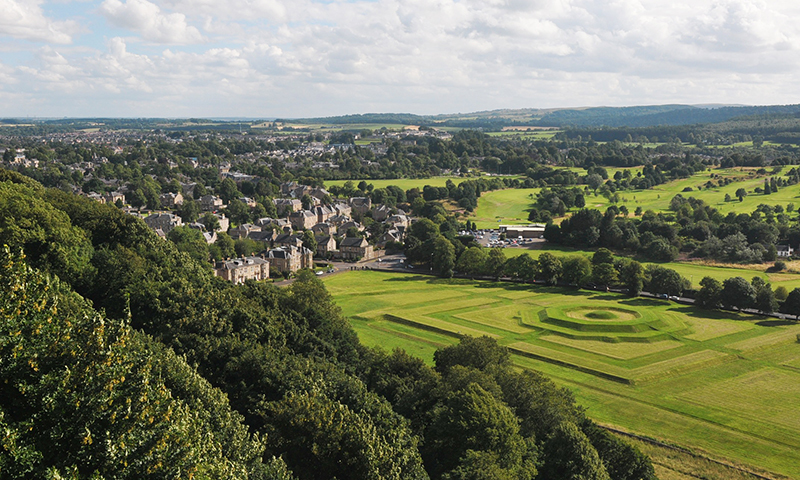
<point x="718" y="381"/>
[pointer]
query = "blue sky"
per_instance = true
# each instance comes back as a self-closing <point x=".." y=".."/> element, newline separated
<point x="294" y="58"/>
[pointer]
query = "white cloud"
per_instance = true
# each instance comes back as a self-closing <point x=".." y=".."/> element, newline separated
<point x="148" y="20"/>
<point x="302" y="57"/>
<point x="25" y="20"/>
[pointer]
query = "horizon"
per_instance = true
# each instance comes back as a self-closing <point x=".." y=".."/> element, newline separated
<point x="274" y="118"/>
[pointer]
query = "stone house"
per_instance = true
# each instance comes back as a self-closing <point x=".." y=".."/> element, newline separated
<point x="361" y="204"/>
<point x="210" y="203"/>
<point x="239" y="270"/>
<point x="291" y="259"/>
<point x="171" y="200"/>
<point x="112" y="197"/>
<point x="286" y="206"/>
<point x="356" y="248"/>
<point x="303" y="220"/>
<point x="326" y="244"/>
<point x="381" y="213"/>
<point x="323" y="229"/>
<point x="163" y="221"/>
<point x="323" y="213"/>
<point x="243" y="230"/>
<point x="287" y="239"/>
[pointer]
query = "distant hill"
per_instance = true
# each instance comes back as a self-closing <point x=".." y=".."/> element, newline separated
<point x="638" y="116"/>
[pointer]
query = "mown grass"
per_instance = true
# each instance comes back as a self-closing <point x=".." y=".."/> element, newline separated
<point x="724" y="384"/>
<point x="510" y="206"/>
<point x="512" y="203"/>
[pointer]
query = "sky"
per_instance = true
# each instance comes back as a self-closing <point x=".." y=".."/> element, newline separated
<point x="303" y="58"/>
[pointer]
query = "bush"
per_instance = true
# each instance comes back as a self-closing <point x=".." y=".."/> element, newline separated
<point x="779" y="266"/>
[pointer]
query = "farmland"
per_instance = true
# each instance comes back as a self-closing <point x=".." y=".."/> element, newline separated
<point x="720" y="383"/>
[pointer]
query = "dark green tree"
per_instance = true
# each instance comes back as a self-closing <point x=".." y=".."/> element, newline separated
<point x="495" y="262"/>
<point x="443" y="257"/>
<point x="632" y="277"/>
<point x="569" y="455"/>
<point x="709" y="295"/>
<point x="737" y="293"/>
<point x="577" y="269"/>
<point x="791" y="305"/>
<point x="550" y="268"/>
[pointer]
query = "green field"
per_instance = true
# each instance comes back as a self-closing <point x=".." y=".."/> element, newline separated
<point x="717" y="382"/>
<point x="509" y="206"/>
<point x="512" y="204"/>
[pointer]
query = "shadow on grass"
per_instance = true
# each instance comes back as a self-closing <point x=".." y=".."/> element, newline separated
<point x="776" y="323"/>
<point x="643" y="302"/>
<point x="716" y="314"/>
<point x="409" y="278"/>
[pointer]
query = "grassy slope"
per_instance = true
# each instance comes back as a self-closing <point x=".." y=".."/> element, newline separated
<point x="681" y="394"/>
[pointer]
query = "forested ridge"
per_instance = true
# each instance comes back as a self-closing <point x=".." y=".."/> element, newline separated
<point x="122" y="357"/>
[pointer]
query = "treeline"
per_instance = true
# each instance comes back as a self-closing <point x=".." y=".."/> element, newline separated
<point x="692" y="227"/>
<point x="125" y="358"/>
<point x="600" y="271"/>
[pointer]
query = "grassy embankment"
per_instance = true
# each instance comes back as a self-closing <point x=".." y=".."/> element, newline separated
<point x="714" y="382"/>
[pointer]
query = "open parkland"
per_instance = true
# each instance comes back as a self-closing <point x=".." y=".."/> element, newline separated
<point x="719" y="383"/>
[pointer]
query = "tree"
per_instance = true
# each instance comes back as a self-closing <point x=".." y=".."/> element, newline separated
<point x="495" y="262"/>
<point x="741" y="193"/>
<point x="198" y="191"/>
<point x="522" y="267"/>
<point x="225" y="246"/>
<point x="665" y="280"/>
<point x="307" y="201"/>
<point x="474" y="420"/>
<point x="602" y="255"/>
<point x="191" y="241"/>
<point x="623" y="461"/>
<point x="189" y="211"/>
<point x="594" y="181"/>
<point x="632" y="276"/>
<point x="89" y="395"/>
<point x="443" y="258"/>
<point x="604" y="274"/>
<point x="791" y="305"/>
<point x="228" y="190"/>
<point x="577" y="270"/>
<point x="568" y="455"/>
<point x="472" y="261"/>
<point x="709" y="295"/>
<point x="550" y="268"/>
<point x="481" y="353"/>
<point x="238" y="211"/>
<point x="309" y="241"/>
<point x="765" y="299"/>
<point x="660" y="250"/>
<point x="737" y="292"/>
<point x="210" y="221"/>
<point x="781" y="293"/>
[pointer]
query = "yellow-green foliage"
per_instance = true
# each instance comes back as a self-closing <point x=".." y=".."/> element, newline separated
<point x="82" y="395"/>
